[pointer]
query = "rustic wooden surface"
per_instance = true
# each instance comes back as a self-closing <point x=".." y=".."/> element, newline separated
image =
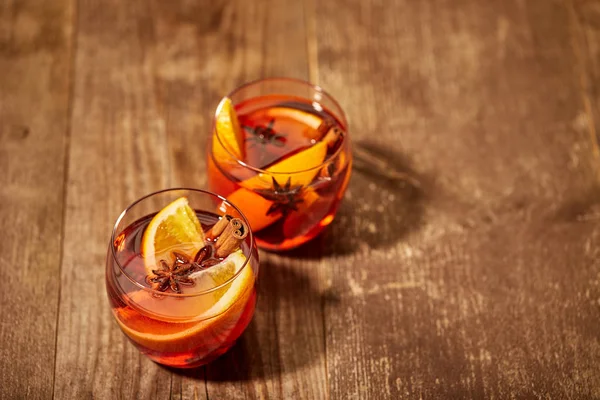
<point x="464" y="262"/>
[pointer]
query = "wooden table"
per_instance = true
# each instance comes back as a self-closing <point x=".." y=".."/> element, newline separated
<point x="464" y="262"/>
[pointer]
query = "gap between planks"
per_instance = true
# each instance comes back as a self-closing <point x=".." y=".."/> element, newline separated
<point x="66" y="162"/>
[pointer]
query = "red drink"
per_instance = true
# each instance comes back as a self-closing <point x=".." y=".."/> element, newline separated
<point x="293" y="163"/>
<point x="195" y="325"/>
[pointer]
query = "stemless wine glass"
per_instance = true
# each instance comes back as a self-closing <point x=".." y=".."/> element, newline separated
<point x="280" y="150"/>
<point x="200" y="317"/>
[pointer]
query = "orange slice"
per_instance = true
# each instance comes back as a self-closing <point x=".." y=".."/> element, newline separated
<point x="222" y="315"/>
<point x="257" y="207"/>
<point x="228" y="138"/>
<point x="219" y="274"/>
<point x="307" y="161"/>
<point x="306" y="118"/>
<point x="175" y="227"/>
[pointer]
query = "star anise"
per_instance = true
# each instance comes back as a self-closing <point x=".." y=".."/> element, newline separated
<point x="285" y="198"/>
<point x="264" y="135"/>
<point x="177" y="274"/>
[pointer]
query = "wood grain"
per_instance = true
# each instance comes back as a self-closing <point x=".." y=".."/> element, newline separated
<point x="585" y="33"/>
<point x="167" y="69"/>
<point x="270" y="37"/>
<point x="35" y="58"/>
<point x="282" y="354"/>
<point x="482" y="281"/>
<point x="117" y="154"/>
<point x="464" y="262"/>
<point x="200" y="57"/>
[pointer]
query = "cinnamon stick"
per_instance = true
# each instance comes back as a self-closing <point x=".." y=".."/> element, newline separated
<point x="221" y="224"/>
<point x="333" y="135"/>
<point x="328" y="132"/>
<point x="323" y="129"/>
<point x="231" y="237"/>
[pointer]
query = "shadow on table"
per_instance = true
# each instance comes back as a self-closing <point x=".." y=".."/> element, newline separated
<point x="286" y="333"/>
<point x="384" y="203"/>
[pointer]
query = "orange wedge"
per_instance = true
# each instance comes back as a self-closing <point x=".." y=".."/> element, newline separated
<point x="175" y="227"/>
<point x="306" y="118"/>
<point x="307" y="161"/>
<point x="255" y="207"/>
<point x="228" y="138"/>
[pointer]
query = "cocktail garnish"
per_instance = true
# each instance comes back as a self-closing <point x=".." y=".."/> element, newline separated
<point x="225" y="237"/>
<point x="203" y="254"/>
<point x="264" y="135"/>
<point x="174" y="275"/>
<point x="177" y="274"/>
<point x="230" y="138"/>
<point x="232" y="236"/>
<point x="285" y="198"/>
<point x="175" y="227"/>
<point x="324" y="128"/>
<point x="210" y="263"/>
<point x="330" y="133"/>
<point x="220" y="226"/>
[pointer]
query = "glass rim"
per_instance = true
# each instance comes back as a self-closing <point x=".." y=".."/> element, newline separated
<point x="158" y="292"/>
<point x="317" y="88"/>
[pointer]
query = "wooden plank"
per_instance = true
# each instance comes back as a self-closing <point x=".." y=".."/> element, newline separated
<point x="282" y="353"/>
<point x="156" y="75"/>
<point x="584" y="20"/>
<point x="482" y="281"/>
<point x="203" y="51"/>
<point x="35" y="58"/>
<point x="267" y="362"/>
<point x="117" y="154"/>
